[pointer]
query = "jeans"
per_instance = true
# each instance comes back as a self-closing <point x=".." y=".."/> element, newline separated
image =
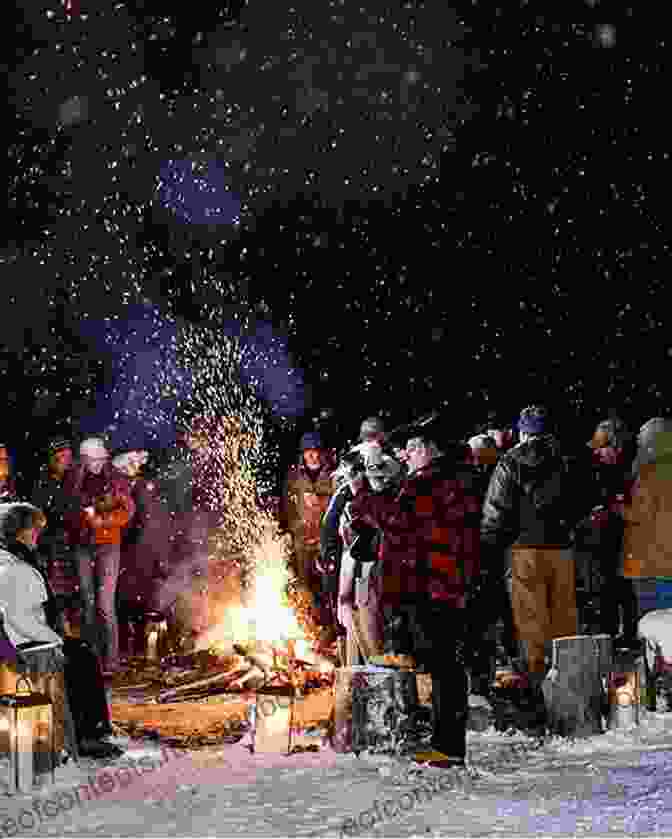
<point x="98" y="567"/>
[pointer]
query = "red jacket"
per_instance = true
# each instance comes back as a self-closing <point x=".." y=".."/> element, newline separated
<point x="110" y="481"/>
<point x="431" y="539"/>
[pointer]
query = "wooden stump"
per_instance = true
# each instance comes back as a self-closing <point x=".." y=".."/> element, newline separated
<point x="573" y="689"/>
<point x="375" y="708"/>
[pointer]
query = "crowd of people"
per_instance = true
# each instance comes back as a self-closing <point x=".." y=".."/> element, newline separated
<point x="459" y="557"/>
<point x="453" y="556"/>
<point x="101" y="535"/>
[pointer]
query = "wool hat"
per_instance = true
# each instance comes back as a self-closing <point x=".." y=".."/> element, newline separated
<point x="58" y="444"/>
<point x="93" y="447"/>
<point x="371" y="426"/>
<point x="482" y="441"/>
<point x="126" y="458"/>
<point x="614" y="431"/>
<point x="534" y="420"/>
<point x="310" y="440"/>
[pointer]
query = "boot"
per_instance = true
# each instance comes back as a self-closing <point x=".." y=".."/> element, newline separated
<point x="535" y="704"/>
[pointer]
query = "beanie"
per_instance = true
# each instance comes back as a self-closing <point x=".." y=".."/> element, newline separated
<point x="310" y="440"/>
<point x="618" y="434"/>
<point x="371" y="426"/>
<point x="57" y="445"/>
<point x="533" y="420"/>
<point x="94" y="447"/>
<point x="482" y="441"/>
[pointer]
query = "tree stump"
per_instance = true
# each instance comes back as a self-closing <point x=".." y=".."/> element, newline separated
<point x="375" y="709"/>
<point x="574" y="689"/>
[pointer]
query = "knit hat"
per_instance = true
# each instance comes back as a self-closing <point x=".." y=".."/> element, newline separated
<point x="310" y="440"/>
<point x="371" y="426"/>
<point x="127" y="460"/>
<point x="533" y="420"/>
<point x="57" y="445"/>
<point x="93" y="447"/>
<point x="614" y="431"/>
<point x="482" y="441"/>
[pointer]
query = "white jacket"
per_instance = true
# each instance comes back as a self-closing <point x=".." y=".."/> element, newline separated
<point x="22" y="598"/>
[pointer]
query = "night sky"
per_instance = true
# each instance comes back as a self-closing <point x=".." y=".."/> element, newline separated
<point x="413" y="205"/>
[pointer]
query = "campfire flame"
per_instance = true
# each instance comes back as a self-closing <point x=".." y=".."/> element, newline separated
<point x="268" y="619"/>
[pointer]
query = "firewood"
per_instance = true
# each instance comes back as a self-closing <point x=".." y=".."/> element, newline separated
<point x="165" y="696"/>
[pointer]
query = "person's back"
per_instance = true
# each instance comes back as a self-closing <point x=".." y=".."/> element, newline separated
<point x="534" y="502"/>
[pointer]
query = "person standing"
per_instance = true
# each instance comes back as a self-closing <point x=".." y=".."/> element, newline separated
<point x="100" y="506"/>
<point x="613" y="449"/>
<point x="430" y="555"/>
<point x="48" y="494"/>
<point x="647" y="538"/>
<point x="305" y="498"/>
<point x="533" y="504"/>
<point x="360" y="578"/>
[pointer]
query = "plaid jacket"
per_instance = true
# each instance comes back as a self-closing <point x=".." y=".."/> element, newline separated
<point x="431" y="543"/>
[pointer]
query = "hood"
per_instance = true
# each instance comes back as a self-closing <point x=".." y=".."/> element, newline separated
<point x="655" y="441"/>
<point x="536" y="450"/>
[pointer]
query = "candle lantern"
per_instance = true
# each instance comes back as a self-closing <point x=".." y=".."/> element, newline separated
<point x="27" y="736"/>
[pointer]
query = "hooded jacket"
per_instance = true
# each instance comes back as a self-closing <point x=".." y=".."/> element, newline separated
<point x="536" y="497"/>
<point x="647" y="541"/>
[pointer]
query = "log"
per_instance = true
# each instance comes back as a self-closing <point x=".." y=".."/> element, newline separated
<point x="574" y="689"/>
<point x="375" y="709"/>
<point x="169" y="695"/>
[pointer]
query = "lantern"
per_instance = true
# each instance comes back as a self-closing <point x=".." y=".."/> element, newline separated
<point x="26" y="736"/>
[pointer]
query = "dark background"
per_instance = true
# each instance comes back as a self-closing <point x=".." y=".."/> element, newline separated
<point x="457" y="207"/>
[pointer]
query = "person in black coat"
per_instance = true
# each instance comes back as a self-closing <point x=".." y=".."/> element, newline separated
<point x="534" y="502"/>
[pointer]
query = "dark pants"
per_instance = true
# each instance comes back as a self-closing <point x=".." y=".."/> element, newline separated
<point x="491" y="604"/>
<point x="433" y="633"/>
<point x="98" y="567"/>
<point x="86" y="690"/>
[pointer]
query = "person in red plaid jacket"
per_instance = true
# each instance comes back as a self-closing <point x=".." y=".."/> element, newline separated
<point x="430" y="552"/>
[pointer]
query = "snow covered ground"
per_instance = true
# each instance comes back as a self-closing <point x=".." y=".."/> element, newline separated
<point x="619" y="782"/>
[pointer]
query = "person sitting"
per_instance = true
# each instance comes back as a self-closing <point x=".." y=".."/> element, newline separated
<point x="33" y="627"/>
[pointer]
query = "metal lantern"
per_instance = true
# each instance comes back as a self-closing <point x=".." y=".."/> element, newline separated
<point x="27" y="736"/>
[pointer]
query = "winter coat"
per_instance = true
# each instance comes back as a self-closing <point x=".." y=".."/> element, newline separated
<point x="85" y="490"/>
<point x="476" y="477"/>
<point x="331" y="542"/>
<point x="49" y="495"/>
<point x="24" y="594"/>
<point x="536" y="497"/>
<point x="647" y="540"/>
<point x="430" y="539"/>
<point x="305" y="499"/>
<point x="145" y="546"/>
